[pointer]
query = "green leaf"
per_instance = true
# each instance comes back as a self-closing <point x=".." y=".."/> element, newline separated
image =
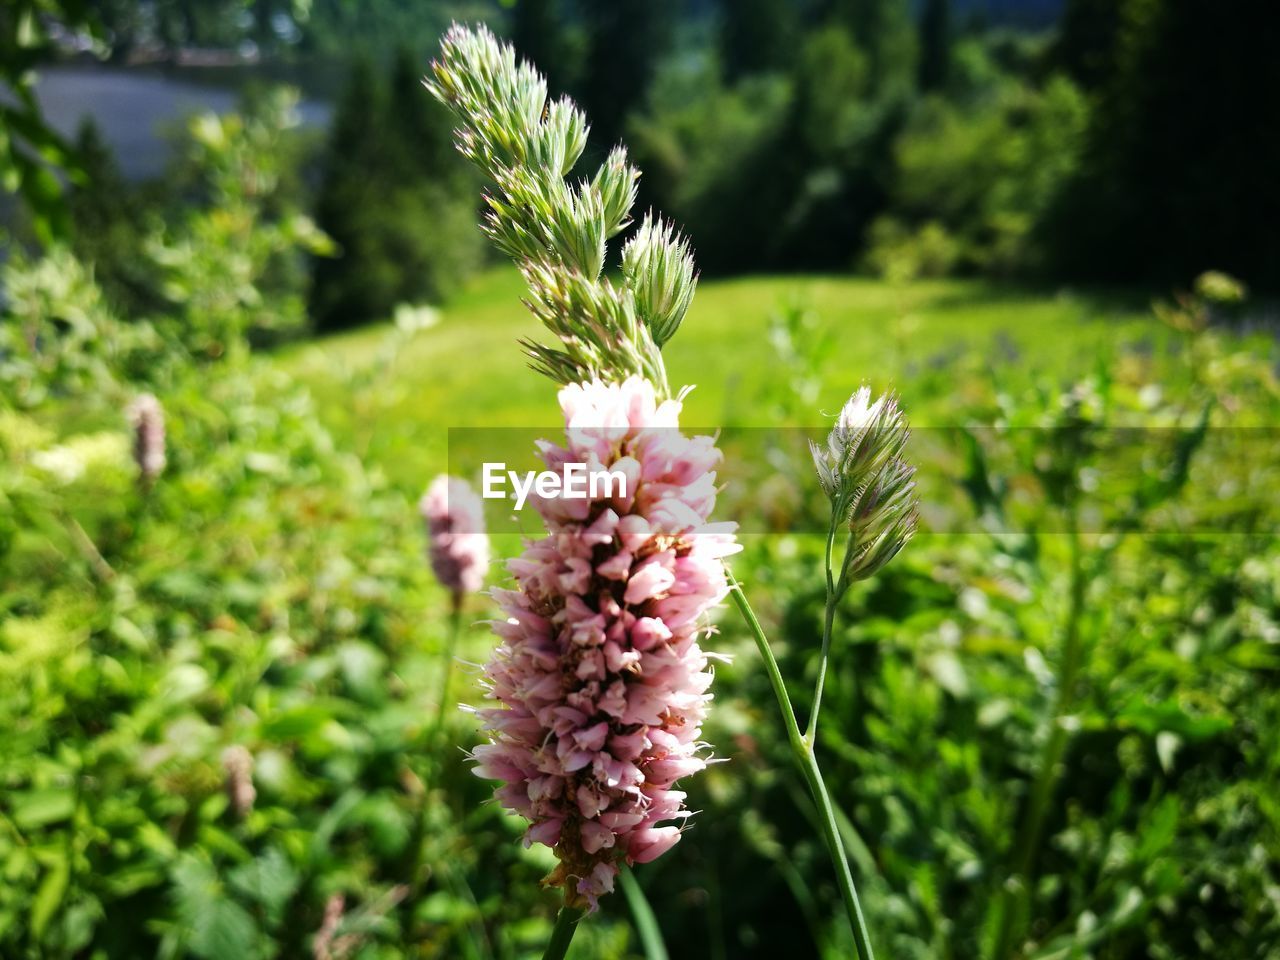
<point x="215" y="927"/>
<point x="225" y="931"/>
<point x="1159" y="828"/>
<point x="1151" y="718"/>
<point x="642" y="914"/>
<point x="270" y="880"/>
<point x="49" y="895"/>
<point x="40" y="808"/>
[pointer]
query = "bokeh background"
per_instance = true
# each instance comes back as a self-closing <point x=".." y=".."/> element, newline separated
<point x="1050" y="225"/>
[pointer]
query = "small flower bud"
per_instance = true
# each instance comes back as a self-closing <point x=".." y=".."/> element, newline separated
<point x="615" y="181"/>
<point x="147" y="419"/>
<point x="458" y="547"/>
<point x="237" y="764"/>
<point x="870" y="485"/>
<point x="659" y="271"/>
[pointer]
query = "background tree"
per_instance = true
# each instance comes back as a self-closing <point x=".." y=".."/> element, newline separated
<point x="107" y="220"/>
<point x="1180" y="170"/>
<point x="626" y="39"/>
<point x="395" y="198"/>
<point x="541" y="34"/>
<point x="1086" y="42"/>
<point x="935" y="44"/>
<point x="756" y="35"/>
<point x="884" y="30"/>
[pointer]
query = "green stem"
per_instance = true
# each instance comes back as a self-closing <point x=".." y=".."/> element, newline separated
<point x="450" y="648"/>
<point x="811" y="733"/>
<point x="566" y="926"/>
<point x="808" y="763"/>
<point x="646" y="923"/>
<point x="836" y="587"/>
<point x="1014" y="898"/>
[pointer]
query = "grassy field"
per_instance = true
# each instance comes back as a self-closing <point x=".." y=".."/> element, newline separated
<point x="396" y="403"/>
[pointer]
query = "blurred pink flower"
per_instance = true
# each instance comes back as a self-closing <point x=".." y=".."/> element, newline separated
<point x="146" y="416"/>
<point x="456" y="542"/>
<point x="600" y="682"/>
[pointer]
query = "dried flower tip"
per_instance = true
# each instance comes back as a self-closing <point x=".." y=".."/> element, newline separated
<point x="457" y="546"/>
<point x="323" y="944"/>
<point x="146" y="416"/>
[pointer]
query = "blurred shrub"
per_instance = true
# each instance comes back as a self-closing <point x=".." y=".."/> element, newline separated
<point x="900" y="254"/>
<point x="397" y="201"/>
<point x="59" y="338"/>
<point x="234" y="264"/>
<point x="985" y="173"/>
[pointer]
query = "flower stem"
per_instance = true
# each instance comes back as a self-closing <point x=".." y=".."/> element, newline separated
<point x="566" y="926"/>
<point x="836" y="587"/>
<point x="811" y="733"/>
<point x="450" y="648"/>
<point x="646" y="923"/>
<point x="808" y="763"/>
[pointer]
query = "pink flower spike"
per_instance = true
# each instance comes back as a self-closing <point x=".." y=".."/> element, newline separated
<point x="457" y="546"/>
<point x="599" y="683"/>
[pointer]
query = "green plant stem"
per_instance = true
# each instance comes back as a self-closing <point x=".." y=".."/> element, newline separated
<point x="836" y="587"/>
<point x="566" y="926"/>
<point x="102" y="570"/>
<point x="808" y="763"/>
<point x="811" y="733"/>
<point x="450" y="648"/>
<point x="646" y="923"/>
<point x="1017" y="888"/>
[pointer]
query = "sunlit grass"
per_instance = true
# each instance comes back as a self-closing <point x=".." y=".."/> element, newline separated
<point x="395" y="408"/>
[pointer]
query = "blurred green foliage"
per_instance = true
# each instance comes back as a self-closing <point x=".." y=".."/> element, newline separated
<point x="874" y="135"/>
<point x="218" y="691"/>
<point x="218" y="695"/>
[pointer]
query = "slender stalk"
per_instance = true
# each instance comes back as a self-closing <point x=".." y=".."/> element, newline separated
<point x="450" y="648"/>
<point x="102" y="570"/>
<point x="770" y="662"/>
<point x="811" y="733"/>
<point x="1017" y="890"/>
<point x="808" y="763"/>
<point x="836" y="586"/>
<point x="646" y="923"/>
<point x="566" y="926"/>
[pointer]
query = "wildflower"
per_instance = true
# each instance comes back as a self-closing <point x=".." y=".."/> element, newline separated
<point x="323" y="946"/>
<point x="147" y="418"/>
<point x="237" y="764"/>
<point x="600" y="682"/>
<point x="457" y="546"/>
<point x="870" y="485"/>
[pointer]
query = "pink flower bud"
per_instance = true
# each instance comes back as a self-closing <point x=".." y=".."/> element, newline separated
<point x="458" y="547"/>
